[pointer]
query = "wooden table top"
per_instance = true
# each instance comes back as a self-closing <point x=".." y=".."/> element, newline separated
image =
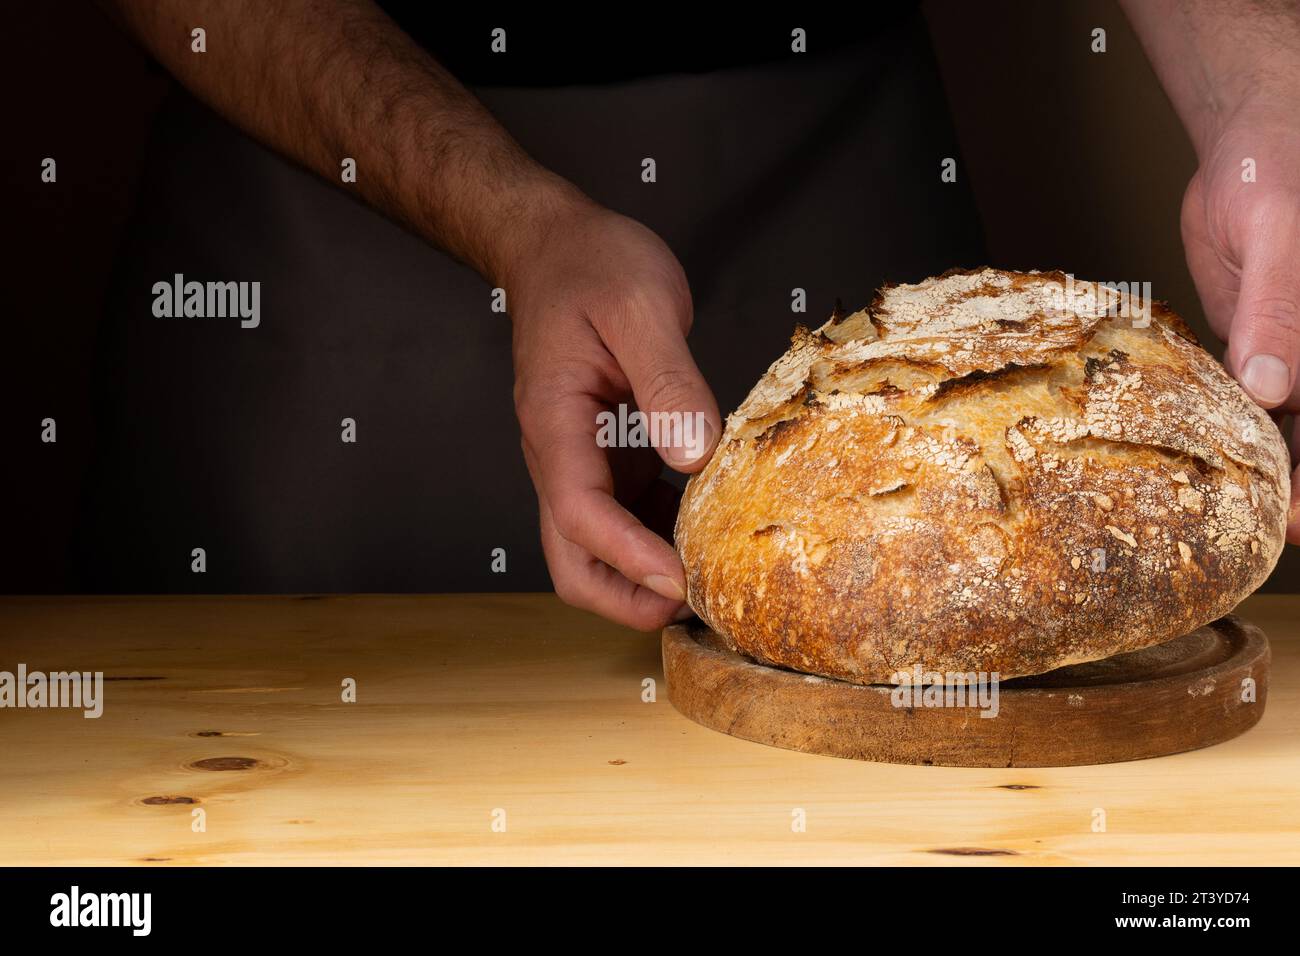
<point x="468" y="705"/>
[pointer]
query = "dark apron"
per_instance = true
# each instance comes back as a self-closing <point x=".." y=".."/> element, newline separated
<point x="820" y="173"/>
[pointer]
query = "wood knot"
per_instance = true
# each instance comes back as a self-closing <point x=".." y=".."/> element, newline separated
<point x="111" y="678"/>
<point x="225" y="763"/>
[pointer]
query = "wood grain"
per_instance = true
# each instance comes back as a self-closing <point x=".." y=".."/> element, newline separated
<point x="469" y="703"/>
<point x="1195" y="691"/>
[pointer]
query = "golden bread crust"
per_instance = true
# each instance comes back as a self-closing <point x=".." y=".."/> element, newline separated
<point x="987" y="471"/>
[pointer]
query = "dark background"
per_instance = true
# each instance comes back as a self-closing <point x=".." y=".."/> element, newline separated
<point x="1076" y="161"/>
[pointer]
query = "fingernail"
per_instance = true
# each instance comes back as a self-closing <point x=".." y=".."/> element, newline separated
<point x="693" y="441"/>
<point x="665" y="586"/>
<point x="683" y="613"/>
<point x="1267" y="379"/>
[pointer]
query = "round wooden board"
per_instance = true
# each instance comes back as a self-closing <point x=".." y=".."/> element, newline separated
<point x="1188" y="693"/>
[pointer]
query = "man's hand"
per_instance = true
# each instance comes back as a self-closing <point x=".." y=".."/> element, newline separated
<point x="601" y="309"/>
<point x="600" y="306"/>
<point x="1243" y="248"/>
<point x="1233" y="72"/>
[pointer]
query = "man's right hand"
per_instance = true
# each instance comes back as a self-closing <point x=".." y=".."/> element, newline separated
<point x="601" y="309"/>
<point x="600" y="305"/>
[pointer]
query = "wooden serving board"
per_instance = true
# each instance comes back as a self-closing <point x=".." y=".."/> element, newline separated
<point x="1197" y="690"/>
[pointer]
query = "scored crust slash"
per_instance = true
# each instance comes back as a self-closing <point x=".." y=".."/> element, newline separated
<point x="988" y="471"/>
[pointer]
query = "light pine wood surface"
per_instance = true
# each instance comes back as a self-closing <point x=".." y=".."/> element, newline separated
<point x="470" y="704"/>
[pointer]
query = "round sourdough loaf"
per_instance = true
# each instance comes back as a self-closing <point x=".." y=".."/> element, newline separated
<point x="985" y="472"/>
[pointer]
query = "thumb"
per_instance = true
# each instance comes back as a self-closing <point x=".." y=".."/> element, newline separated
<point x="683" y="421"/>
<point x="1264" y="339"/>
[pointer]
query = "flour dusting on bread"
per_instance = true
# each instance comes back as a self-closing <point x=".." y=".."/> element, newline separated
<point x="987" y="470"/>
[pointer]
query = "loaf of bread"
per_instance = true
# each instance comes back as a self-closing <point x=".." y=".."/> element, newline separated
<point x="989" y="472"/>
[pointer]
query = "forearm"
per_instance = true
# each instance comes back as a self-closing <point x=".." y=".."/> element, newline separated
<point x="324" y="80"/>
<point x="1214" y="56"/>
